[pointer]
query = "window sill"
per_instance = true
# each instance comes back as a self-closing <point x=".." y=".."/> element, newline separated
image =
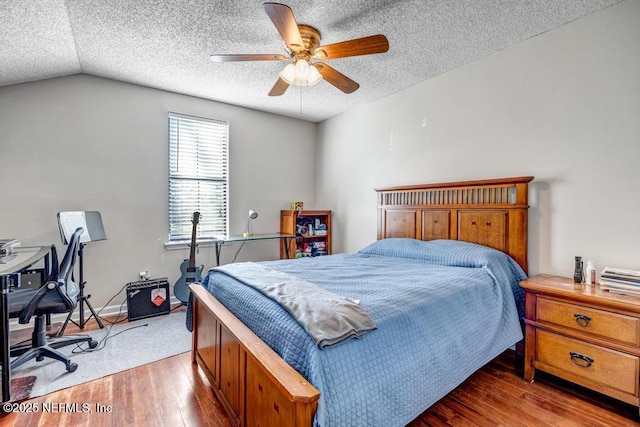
<point x="186" y="244"/>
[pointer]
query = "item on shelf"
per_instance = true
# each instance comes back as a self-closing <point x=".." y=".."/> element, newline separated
<point x="320" y="228"/>
<point x="305" y="228"/>
<point x="311" y="249"/>
<point x="302" y="230"/>
<point x="308" y="250"/>
<point x="297" y="205"/>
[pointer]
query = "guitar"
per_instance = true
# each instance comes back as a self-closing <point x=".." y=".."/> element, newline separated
<point x="189" y="272"/>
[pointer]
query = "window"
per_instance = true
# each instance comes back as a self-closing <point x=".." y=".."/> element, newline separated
<point x="198" y="176"/>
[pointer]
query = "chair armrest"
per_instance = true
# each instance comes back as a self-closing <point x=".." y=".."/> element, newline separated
<point x="30" y="308"/>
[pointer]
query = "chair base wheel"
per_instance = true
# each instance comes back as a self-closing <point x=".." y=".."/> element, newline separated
<point x="71" y="367"/>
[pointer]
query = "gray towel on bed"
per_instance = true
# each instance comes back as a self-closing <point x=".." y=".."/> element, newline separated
<point x="328" y="318"/>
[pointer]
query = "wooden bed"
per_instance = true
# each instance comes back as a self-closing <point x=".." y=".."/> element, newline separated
<point x="257" y="387"/>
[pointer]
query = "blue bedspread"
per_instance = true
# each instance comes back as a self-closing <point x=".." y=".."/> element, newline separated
<point x="443" y="309"/>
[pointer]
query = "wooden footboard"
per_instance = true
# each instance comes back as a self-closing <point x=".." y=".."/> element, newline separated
<point x="255" y="385"/>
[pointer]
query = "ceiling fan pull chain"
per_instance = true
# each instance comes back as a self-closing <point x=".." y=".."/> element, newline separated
<point x="300" y="90"/>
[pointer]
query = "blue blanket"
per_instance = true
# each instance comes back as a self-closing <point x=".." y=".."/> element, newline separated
<point x="443" y="310"/>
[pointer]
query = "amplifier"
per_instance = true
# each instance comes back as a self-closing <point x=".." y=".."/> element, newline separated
<point x="148" y="298"/>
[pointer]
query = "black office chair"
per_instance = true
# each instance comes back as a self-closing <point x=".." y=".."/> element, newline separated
<point x="57" y="295"/>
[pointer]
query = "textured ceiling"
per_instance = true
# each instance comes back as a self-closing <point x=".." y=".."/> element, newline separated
<point x="166" y="44"/>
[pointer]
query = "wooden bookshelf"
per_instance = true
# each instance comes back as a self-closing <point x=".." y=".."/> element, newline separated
<point x="310" y="238"/>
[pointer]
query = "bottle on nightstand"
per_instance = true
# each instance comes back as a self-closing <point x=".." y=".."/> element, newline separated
<point x="590" y="274"/>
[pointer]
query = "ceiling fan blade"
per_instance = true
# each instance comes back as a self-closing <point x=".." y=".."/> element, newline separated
<point x="336" y="78"/>
<point x="279" y="88"/>
<point x="282" y="17"/>
<point x="247" y="57"/>
<point x="363" y="46"/>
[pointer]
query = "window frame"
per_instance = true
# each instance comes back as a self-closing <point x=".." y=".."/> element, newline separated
<point x="206" y="178"/>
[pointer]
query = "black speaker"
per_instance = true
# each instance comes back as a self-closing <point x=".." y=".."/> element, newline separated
<point x="148" y="298"/>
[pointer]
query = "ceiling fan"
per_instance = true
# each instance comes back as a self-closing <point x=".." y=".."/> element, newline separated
<point x="302" y="45"/>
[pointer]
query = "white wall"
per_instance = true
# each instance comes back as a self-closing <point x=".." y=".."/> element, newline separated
<point x="87" y="143"/>
<point x="563" y="107"/>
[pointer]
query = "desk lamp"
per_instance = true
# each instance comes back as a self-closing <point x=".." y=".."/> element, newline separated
<point x="252" y="215"/>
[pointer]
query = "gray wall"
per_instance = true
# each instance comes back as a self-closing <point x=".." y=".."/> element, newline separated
<point x="87" y="143"/>
<point x="563" y="107"/>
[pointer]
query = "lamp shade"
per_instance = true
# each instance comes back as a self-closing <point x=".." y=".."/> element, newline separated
<point x="302" y="69"/>
<point x="288" y="74"/>
<point x="314" y="76"/>
<point x="301" y="73"/>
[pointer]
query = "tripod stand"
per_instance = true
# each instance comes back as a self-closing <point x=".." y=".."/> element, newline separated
<point x="82" y="300"/>
<point x="91" y="222"/>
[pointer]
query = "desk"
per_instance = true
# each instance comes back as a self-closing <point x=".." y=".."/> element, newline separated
<point x="25" y="258"/>
<point x="221" y="240"/>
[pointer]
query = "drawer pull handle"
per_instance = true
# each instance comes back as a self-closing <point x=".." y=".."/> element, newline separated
<point x="582" y="319"/>
<point x="580" y="359"/>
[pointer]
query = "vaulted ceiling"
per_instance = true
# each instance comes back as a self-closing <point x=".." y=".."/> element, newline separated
<point x="166" y="44"/>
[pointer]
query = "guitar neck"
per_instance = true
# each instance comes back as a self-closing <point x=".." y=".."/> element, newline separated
<point x="192" y="252"/>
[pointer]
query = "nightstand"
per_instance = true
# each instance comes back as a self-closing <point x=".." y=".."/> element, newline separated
<point x="584" y="335"/>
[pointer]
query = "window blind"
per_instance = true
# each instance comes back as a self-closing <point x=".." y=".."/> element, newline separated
<point x="198" y="176"/>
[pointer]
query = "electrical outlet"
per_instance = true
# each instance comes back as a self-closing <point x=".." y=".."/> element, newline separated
<point x="144" y="275"/>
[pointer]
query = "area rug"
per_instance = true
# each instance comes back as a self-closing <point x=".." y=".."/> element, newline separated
<point x="122" y="346"/>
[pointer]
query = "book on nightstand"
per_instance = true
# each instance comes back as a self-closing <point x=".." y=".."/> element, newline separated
<point x="624" y="292"/>
<point x="620" y="281"/>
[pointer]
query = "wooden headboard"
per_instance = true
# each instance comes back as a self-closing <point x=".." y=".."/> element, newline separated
<point x="491" y="212"/>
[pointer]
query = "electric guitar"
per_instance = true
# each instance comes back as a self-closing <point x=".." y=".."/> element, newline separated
<point x="189" y="272"/>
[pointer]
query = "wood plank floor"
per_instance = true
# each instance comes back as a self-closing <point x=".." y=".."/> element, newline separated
<point x="173" y="392"/>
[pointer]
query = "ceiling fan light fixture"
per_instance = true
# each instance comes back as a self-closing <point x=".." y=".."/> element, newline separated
<point x="302" y="69"/>
<point x="288" y="74"/>
<point x="314" y="76"/>
<point x="300" y="73"/>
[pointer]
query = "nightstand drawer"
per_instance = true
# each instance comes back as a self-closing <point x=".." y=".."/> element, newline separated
<point x="599" y="322"/>
<point x="596" y="364"/>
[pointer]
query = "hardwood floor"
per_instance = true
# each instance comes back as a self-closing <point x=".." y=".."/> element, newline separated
<point x="173" y="392"/>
